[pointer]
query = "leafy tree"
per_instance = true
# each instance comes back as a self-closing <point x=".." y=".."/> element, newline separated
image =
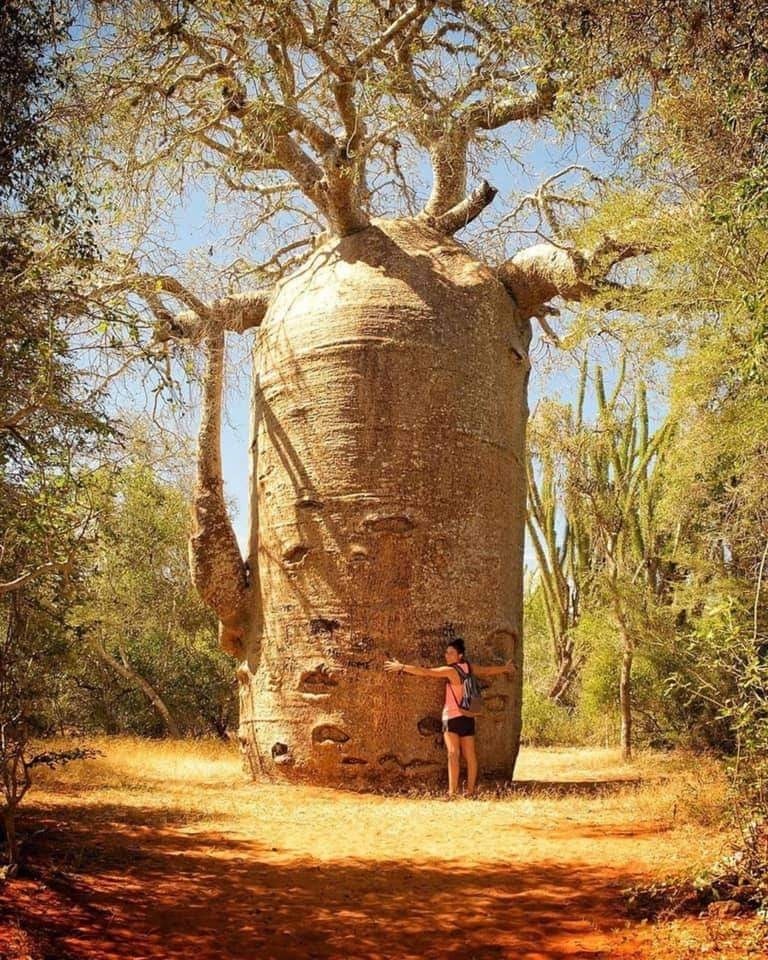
<point x="51" y="427"/>
<point x="560" y="539"/>
<point x="48" y="423"/>
<point x="609" y="491"/>
<point x="138" y="612"/>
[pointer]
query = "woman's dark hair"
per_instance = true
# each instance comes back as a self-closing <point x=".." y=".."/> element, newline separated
<point x="458" y="645"/>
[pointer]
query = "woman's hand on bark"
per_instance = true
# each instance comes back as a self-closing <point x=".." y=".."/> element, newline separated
<point x="510" y="667"/>
<point x="393" y="666"/>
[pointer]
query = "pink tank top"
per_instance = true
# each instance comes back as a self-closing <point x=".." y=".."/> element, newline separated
<point x="451" y="707"/>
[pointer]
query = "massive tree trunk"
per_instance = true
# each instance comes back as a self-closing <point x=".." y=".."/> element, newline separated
<point x="388" y="488"/>
<point x="388" y="505"/>
<point x="388" y="467"/>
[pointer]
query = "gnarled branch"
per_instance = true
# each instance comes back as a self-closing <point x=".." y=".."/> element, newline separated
<point x="217" y="567"/>
<point x="490" y="115"/>
<point x="540" y="273"/>
<point x="237" y="312"/>
<point x="448" y="150"/>
<point x="448" y="154"/>
<point x="467" y="210"/>
<point x="45" y="568"/>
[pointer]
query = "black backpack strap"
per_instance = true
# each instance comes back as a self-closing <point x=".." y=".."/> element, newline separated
<point x="463" y="676"/>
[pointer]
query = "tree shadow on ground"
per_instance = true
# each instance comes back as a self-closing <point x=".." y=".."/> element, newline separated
<point x="493" y="790"/>
<point x="570" y="788"/>
<point x="131" y="885"/>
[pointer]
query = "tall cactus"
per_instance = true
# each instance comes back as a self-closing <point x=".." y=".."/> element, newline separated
<point x="560" y="541"/>
<point x="620" y="479"/>
<point x="593" y="528"/>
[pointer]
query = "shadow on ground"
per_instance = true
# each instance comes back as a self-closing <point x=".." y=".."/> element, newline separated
<point x="136" y="884"/>
<point x="490" y="789"/>
<point x="569" y="788"/>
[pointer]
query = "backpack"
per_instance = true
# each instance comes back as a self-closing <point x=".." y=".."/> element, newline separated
<point x="471" y="703"/>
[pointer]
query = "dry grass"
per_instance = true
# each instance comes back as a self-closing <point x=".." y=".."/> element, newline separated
<point x="133" y="763"/>
<point x="203" y="782"/>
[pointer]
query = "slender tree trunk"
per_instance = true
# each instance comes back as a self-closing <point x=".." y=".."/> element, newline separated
<point x="124" y="669"/>
<point x="11" y="840"/>
<point x="625" y="695"/>
<point x="565" y="674"/>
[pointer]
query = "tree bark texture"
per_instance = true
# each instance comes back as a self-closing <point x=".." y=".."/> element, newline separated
<point x="388" y="506"/>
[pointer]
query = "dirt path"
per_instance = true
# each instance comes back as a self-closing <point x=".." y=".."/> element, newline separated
<point x="175" y="858"/>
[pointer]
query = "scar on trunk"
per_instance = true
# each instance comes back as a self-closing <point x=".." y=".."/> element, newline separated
<point x="281" y="753"/>
<point x="429" y="726"/>
<point x="390" y="524"/>
<point x="327" y="733"/>
<point x="317" y="680"/>
<point x="496" y="704"/>
<point x="296" y="554"/>
<point x="322" y="625"/>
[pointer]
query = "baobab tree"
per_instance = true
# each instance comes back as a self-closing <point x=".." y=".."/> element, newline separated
<point x="390" y="362"/>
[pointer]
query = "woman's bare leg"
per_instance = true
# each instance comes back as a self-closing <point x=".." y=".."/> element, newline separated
<point x="454" y="752"/>
<point x="470" y="758"/>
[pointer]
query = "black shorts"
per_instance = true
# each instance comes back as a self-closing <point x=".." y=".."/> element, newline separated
<point x="464" y="726"/>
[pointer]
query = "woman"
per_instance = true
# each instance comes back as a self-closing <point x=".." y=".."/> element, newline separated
<point x="458" y="727"/>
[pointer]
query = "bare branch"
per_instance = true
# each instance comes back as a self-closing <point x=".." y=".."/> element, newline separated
<point x="237" y="312"/>
<point x="540" y="273"/>
<point x="419" y="9"/>
<point x="52" y="567"/>
<point x="549" y="333"/>
<point x="448" y="153"/>
<point x="344" y="94"/>
<point x="320" y="139"/>
<point x="42" y="401"/>
<point x="467" y="210"/>
<point x="149" y="286"/>
<point x="275" y="261"/>
<point x="491" y="114"/>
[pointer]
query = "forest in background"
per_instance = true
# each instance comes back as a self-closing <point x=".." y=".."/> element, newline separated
<point x="646" y="619"/>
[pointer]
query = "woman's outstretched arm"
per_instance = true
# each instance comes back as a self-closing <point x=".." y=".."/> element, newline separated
<point x="436" y="673"/>
<point x="508" y="667"/>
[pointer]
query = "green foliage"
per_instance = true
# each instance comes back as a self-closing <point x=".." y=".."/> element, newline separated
<point x="137" y="608"/>
<point x="559" y="537"/>
<point x="722" y="676"/>
<point x="591" y="718"/>
<point x="53" y="430"/>
<point x="599" y="688"/>
<point x="548" y="724"/>
<point x="52" y="427"/>
<point x="594" y="489"/>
